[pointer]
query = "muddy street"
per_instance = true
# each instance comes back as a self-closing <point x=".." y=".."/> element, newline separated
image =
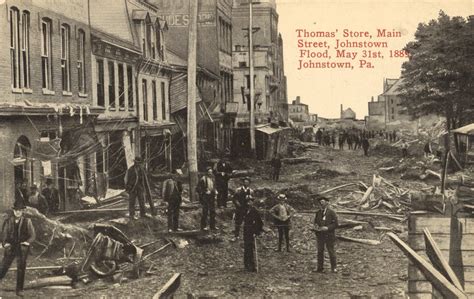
<point x="213" y="264"/>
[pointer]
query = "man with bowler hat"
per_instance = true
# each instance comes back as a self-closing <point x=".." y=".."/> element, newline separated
<point x="207" y="196"/>
<point x="222" y="173"/>
<point x="18" y="234"/>
<point x="243" y="195"/>
<point x="138" y="188"/>
<point x="325" y="224"/>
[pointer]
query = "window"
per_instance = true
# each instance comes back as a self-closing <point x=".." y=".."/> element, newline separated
<point x="121" y="86"/>
<point x="25" y="48"/>
<point x="111" y="68"/>
<point x="14" y="47"/>
<point x="65" y="62"/>
<point x="130" y="87"/>
<point x="81" y="70"/>
<point x="159" y="44"/>
<point x="46" y="65"/>
<point x="163" y="101"/>
<point x="242" y="63"/>
<point x="154" y="100"/>
<point x="145" y="100"/>
<point x="100" y="83"/>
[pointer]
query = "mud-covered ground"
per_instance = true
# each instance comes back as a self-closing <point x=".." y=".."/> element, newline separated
<point x="213" y="265"/>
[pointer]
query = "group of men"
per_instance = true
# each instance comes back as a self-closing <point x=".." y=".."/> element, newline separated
<point x="355" y="139"/>
<point x="46" y="201"/>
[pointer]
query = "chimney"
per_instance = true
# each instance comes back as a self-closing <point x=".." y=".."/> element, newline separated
<point x="298" y="100"/>
<point x="372" y="98"/>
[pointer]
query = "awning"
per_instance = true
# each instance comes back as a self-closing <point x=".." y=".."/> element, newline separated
<point x="466" y="130"/>
<point x="179" y="93"/>
<point x="269" y="130"/>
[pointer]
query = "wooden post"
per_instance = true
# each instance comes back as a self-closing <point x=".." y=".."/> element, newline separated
<point x="192" y="126"/>
<point x="252" y="85"/>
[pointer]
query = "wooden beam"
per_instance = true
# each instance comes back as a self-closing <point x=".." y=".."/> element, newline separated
<point x="361" y="241"/>
<point x="168" y="290"/>
<point x="393" y="217"/>
<point x="335" y="188"/>
<point x="438" y="281"/>
<point x="438" y="261"/>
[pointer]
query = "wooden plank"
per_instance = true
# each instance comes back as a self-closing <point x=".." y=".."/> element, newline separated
<point x="466" y="257"/>
<point x="438" y="261"/>
<point x="438" y="225"/>
<point x="437" y="279"/>
<point x="415" y="274"/>
<point x="168" y="290"/>
<point x="417" y="242"/>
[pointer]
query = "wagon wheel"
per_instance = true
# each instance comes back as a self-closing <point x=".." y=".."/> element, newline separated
<point x="104" y="267"/>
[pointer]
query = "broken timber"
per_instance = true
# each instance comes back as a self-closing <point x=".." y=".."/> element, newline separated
<point x="443" y="285"/>
<point x="361" y="241"/>
<point x="335" y="188"/>
<point x="168" y="290"/>
<point x="438" y="261"/>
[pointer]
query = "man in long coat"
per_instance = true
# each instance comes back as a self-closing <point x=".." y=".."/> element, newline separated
<point x="325" y="223"/>
<point x="138" y="188"/>
<point x="222" y="173"/>
<point x="172" y="189"/>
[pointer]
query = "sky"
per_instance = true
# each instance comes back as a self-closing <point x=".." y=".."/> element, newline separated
<point x="324" y="90"/>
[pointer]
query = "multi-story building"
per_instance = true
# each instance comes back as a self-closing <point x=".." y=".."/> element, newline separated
<point x="214" y="54"/>
<point x="388" y="113"/>
<point x="270" y="87"/>
<point x="298" y="111"/>
<point x="131" y="79"/>
<point x="45" y="105"/>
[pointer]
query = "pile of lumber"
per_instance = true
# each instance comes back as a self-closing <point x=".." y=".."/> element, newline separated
<point x="465" y="195"/>
<point x="380" y="194"/>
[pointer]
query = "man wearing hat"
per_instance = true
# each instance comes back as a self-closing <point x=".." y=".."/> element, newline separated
<point x="207" y="196"/>
<point x="52" y="196"/>
<point x="325" y="224"/>
<point x="138" y="188"/>
<point x="18" y="234"/>
<point x="223" y="172"/>
<point x="243" y="195"/>
<point x="282" y="213"/>
<point x="172" y="189"/>
<point x="253" y="226"/>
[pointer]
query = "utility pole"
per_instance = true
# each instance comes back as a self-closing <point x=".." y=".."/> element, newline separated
<point x="253" y="150"/>
<point x="192" y="126"/>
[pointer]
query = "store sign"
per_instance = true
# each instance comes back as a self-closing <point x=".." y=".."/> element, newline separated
<point x="182" y="20"/>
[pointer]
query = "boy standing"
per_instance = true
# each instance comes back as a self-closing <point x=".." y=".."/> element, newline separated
<point x="282" y="213"/>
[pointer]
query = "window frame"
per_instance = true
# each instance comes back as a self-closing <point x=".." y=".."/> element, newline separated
<point x="121" y="86"/>
<point x="46" y="55"/>
<point x="154" y="98"/>
<point x="65" y="32"/>
<point x="100" y="82"/>
<point x="131" y="98"/>
<point x="81" y="58"/>
<point x="25" y="49"/>
<point x="112" y="83"/>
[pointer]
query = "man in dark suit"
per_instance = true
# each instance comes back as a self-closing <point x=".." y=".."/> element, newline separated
<point x="172" y="189"/>
<point x="243" y="195"/>
<point x="222" y="173"/>
<point x="325" y="224"/>
<point x="52" y="196"/>
<point x="18" y="234"/>
<point x="207" y="196"/>
<point x="138" y="188"/>
<point x="276" y="166"/>
<point x="253" y="226"/>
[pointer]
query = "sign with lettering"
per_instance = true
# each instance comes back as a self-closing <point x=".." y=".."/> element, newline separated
<point x="182" y="20"/>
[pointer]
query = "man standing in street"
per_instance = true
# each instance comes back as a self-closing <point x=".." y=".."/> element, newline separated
<point x="365" y="145"/>
<point x="138" y="188"/>
<point x="207" y="196"/>
<point x="18" y="234"/>
<point x="243" y="195"/>
<point x="282" y="214"/>
<point x="276" y="166"/>
<point x="253" y="226"/>
<point x="38" y="201"/>
<point x="222" y="172"/>
<point x="325" y="224"/>
<point x="172" y="189"/>
<point x="52" y="196"/>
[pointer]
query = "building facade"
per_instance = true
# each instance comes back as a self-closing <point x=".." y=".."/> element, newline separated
<point x="47" y="116"/>
<point x="298" y="111"/>
<point x="214" y="54"/>
<point x="131" y="80"/>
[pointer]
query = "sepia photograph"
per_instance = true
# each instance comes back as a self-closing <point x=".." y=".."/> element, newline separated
<point x="237" y="149"/>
